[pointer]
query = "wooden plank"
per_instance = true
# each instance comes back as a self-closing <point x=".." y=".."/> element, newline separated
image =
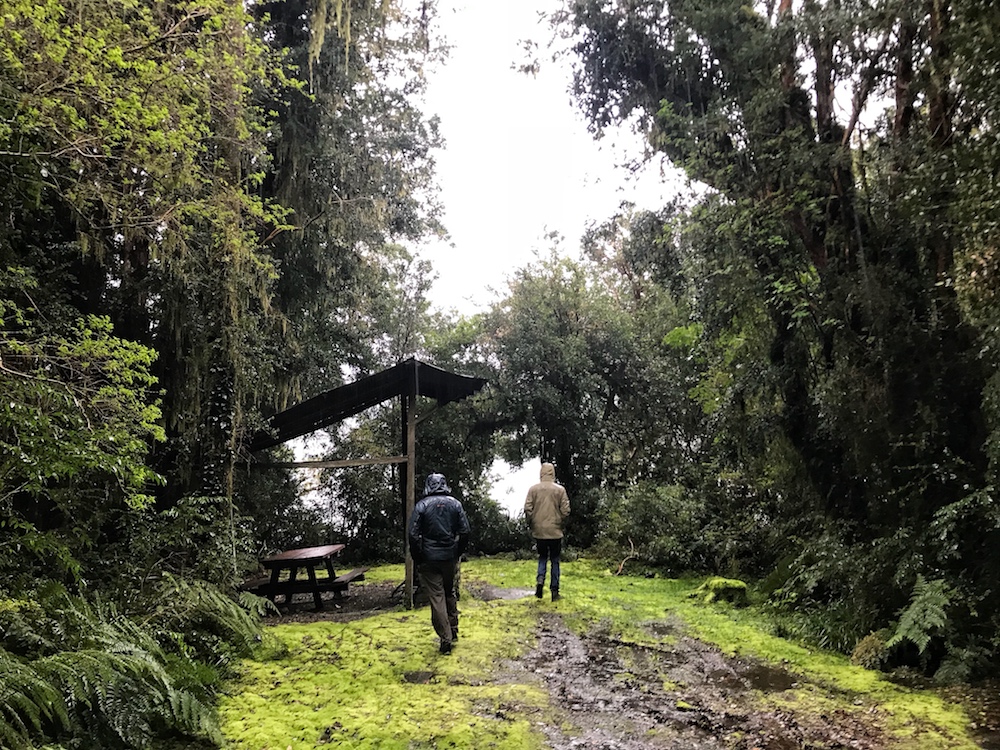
<point x="298" y="587"/>
<point x="303" y="556"/>
<point x="358" y="574"/>
<point x="335" y="464"/>
<point x="410" y="408"/>
<point x="304" y="586"/>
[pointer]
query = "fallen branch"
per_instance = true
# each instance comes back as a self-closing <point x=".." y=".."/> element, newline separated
<point x="631" y="556"/>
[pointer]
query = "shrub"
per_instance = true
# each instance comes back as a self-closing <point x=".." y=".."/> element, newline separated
<point x="664" y="523"/>
<point x="722" y="589"/>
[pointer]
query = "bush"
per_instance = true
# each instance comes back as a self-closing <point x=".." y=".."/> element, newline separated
<point x="78" y="671"/>
<point x="871" y="651"/>
<point x="665" y="525"/>
<point x="722" y="589"/>
<point x="494" y="531"/>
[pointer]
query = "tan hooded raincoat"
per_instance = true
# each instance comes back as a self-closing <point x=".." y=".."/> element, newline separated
<point x="547" y="505"/>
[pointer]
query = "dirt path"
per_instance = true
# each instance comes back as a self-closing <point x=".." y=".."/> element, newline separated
<point x="608" y="694"/>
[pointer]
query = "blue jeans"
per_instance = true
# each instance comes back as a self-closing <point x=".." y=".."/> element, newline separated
<point x="548" y="549"/>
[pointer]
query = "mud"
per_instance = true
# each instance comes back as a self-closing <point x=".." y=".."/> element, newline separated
<point x="361" y="600"/>
<point x="608" y="694"/>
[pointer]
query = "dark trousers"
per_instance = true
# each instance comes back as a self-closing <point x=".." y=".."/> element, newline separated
<point x="439" y="578"/>
<point x="548" y="550"/>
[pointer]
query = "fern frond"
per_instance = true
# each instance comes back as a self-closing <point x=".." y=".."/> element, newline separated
<point x="28" y="701"/>
<point x="259" y="606"/>
<point x="113" y="682"/>
<point x="129" y="709"/>
<point x="184" y="602"/>
<point x="925" y="616"/>
<point x="193" y="716"/>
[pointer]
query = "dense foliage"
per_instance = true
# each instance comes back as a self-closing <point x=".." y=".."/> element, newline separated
<point x="199" y="205"/>
<point x="209" y="211"/>
<point x="835" y="274"/>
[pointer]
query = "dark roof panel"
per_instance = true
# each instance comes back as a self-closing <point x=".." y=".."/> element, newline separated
<point x="410" y="377"/>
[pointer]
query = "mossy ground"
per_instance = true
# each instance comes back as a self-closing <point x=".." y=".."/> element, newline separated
<point x="379" y="682"/>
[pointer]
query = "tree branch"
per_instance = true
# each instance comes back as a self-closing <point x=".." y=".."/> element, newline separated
<point x="631" y="556"/>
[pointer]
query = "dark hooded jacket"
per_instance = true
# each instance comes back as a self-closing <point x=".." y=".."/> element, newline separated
<point x="439" y="528"/>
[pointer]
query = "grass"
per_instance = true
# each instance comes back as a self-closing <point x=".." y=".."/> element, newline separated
<point x="380" y="682"/>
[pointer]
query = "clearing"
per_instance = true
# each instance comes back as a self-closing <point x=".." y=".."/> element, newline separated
<point x="619" y="664"/>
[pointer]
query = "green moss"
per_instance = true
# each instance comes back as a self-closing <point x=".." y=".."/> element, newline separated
<point x="379" y="682"/>
<point x="383" y="573"/>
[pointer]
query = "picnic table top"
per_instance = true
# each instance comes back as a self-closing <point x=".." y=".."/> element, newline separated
<point x="303" y="556"/>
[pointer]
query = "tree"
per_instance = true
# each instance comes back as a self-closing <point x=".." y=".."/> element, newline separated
<point x="863" y="406"/>
<point x="78" y="414"/>
<point x="133" y="141"/>
<point x="353" y="162"/>
<point x="363" y="503"/>
<point x="569" y="363"/>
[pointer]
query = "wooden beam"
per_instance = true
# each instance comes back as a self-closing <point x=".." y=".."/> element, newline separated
<point x="410" y="410"/>
<point x="335" y="464"/>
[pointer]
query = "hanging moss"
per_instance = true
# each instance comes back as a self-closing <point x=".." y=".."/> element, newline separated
<point x="341" y="12"/>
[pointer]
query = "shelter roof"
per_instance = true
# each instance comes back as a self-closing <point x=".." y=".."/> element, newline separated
<point x="410" y="377"/>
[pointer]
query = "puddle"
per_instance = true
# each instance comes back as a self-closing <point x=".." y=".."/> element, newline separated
<point x="662" y="629"/>
<point x="418" y="678"/>
<point x="766" y="678"/>
<point x="988" y="740"/>
<point x="489" y="593"/>
<point x="609" y="694"/>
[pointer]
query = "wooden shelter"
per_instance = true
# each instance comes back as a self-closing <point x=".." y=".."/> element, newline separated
<point x="406" y="380"/>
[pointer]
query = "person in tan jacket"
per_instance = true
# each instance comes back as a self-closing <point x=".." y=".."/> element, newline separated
<point x="546" y="508"/>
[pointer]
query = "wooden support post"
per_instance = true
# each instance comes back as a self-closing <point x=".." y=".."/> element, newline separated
<point x="409" y="485"/>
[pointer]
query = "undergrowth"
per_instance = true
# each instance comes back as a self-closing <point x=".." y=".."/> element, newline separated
<point x="81" y="672"/>
<point x="380" y="682"/>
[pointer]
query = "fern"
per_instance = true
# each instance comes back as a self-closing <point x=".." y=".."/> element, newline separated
<point x="111" y="684"/>
<point x="925" y="616"/>
<point x="185" y="605"/>
<point x="193" y="716"/>
<point x="28" y="703"/>
<point x="961" y="664"/>
<point x="257" y="605"/>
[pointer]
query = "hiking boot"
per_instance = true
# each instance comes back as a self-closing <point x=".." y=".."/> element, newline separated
<point x="445" y="647"/>
<point x="454" y="634"/>
<point x="555" y="595"/>
<point x="538" y="590"/>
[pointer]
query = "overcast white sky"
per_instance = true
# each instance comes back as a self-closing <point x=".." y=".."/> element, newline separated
<point x="518" y="164"/>
<point x="518" y="161"/>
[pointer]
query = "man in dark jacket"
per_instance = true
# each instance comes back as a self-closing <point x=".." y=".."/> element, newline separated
<point x="438" y="534"/>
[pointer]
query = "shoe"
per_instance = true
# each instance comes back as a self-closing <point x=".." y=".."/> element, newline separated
<point x="538" y="591"/>
<point x="445" y="647"/>
<point x="454" y="634"/>
<point x="555" y="596"/>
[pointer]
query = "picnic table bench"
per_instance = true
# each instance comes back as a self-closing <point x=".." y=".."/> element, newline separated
<point x="308" y="559"/>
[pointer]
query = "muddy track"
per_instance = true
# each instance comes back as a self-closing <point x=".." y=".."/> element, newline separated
<point x="607" y="694"/>
<point x="675" y="693"/>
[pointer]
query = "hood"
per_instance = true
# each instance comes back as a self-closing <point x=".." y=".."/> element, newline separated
<point x="548" y="473"/>
<point x="436" y="484"/>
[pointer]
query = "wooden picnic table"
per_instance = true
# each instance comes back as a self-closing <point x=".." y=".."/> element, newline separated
<point x="308" y="559"/>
